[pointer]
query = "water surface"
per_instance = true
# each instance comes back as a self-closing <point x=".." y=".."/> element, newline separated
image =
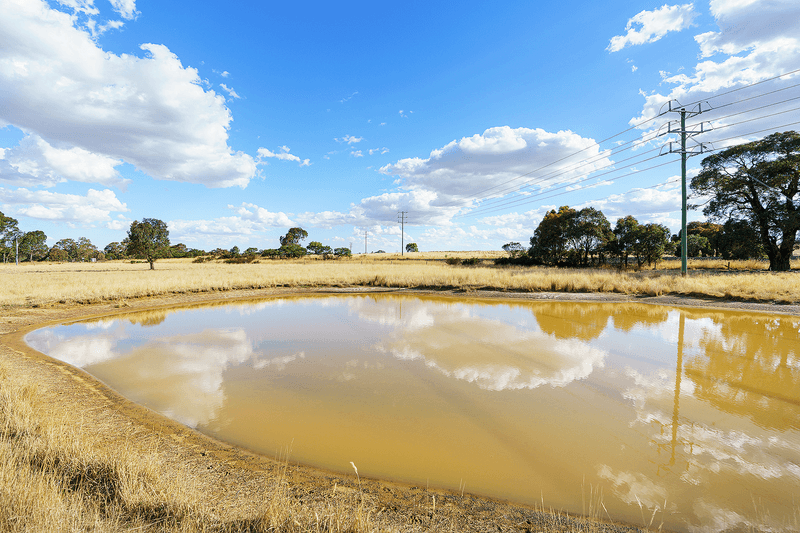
<point x="692" y="414"/>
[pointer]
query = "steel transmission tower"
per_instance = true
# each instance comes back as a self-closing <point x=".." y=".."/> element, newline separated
<point x="685" y="154"/>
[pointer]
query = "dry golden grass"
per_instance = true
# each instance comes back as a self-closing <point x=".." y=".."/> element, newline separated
<point x="721" y="264"/>
<point x="417" y="256"/>
<point x="45" y="283"/>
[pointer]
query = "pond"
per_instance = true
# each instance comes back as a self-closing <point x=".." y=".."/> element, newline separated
<point x="691" y="415"/>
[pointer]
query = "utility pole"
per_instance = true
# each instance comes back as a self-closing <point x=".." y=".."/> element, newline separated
<point x="365" y="241"/>
<point x="685" y="154"/>
<point x="401" y="218"/>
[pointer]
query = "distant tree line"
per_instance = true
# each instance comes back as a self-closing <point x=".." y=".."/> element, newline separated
<point x="569" y="237"/>
<point x="147" y="240"/>
<point x="291" y="247"/>
<point x="572" y="238"/>
<point x="30" y="245"/>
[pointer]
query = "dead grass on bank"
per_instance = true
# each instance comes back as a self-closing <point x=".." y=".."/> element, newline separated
<point x="40" y="284"/>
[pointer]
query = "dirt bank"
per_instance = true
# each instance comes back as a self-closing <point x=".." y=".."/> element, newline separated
<point x="234" y="480"/>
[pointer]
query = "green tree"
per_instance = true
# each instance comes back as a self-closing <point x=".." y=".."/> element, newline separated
<point x="33" y="244"/>
<point x="412" y="247"/>
<point x="148" y="239"/>
<point x="739" y="240"/>
<point x="696" y="244"/>
<point x="292" y="250"/>
<point x="178" y="250"/>
<point x="57" y="254"/>
<point x="625" y="237"/>
<point x="549" y="244"/>
<point x="251" y="251"/>
<point x="588" y="231"/>
<point x="342" y="252"/>
<point x="651" y="242"/>
<point x="86" y="250"/>
<point x="513" y="248"/>
<point x="710" y="231"/>
<point x="115" y="250"/>
<point x="317" y="248"/>
<point x="9" y="232"/>
<point x="294" y="236"/>
<point x="69" y="246"/>
<point x="758" y="182"/>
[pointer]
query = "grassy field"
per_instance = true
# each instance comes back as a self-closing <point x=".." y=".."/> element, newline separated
<point x="38" y="284"/>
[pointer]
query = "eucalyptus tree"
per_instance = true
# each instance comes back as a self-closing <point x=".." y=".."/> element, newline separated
<point x="33" y="244"/>
<point x="625" y="236"/>
<point x="293" y="236"/>
<point x="550" y="244"/>
<point x="759" y="182"/>
<point x="148" y="239"/>
<point x="9" y="233"/>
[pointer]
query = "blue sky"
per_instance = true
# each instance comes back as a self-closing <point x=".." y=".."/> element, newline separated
<point x="233" y="122"/>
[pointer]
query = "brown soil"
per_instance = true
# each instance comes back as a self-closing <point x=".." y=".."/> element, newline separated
<point x="235" y="478"/>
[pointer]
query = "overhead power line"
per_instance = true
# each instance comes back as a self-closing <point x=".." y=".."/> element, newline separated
<point x="546" y="195"/>
<point x="500" y="203"/>
<point x="501" y="189"/>
<point x="745" y="87"/>
<point x="756" y="96"/>
<point x="541" y="195"/>
<point x="554" y="175"/>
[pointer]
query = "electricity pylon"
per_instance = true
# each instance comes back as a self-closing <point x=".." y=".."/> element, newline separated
<point x="684" y="155"/>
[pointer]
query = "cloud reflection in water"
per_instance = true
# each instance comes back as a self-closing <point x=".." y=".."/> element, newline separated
<point x="461" y="342"/>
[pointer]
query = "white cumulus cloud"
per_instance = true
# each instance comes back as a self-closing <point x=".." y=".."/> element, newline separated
<point x="230" y="91"/>
<point x="250" y="219"/>
<point x="34" y="162"/>
<point x="650" y="26"/>
<point x="757" y="43"/>
<point x="498" y="161"/>
<point x="383" y="209"/>
<point x="96" y="206"/>
<point x="349" y="139"/>
<point x="126" y="8"/>
<point x="149" y="111"/>
<point x="282" y="154"/>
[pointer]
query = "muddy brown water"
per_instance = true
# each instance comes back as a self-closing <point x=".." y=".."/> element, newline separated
<point x="683" y="417"/>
